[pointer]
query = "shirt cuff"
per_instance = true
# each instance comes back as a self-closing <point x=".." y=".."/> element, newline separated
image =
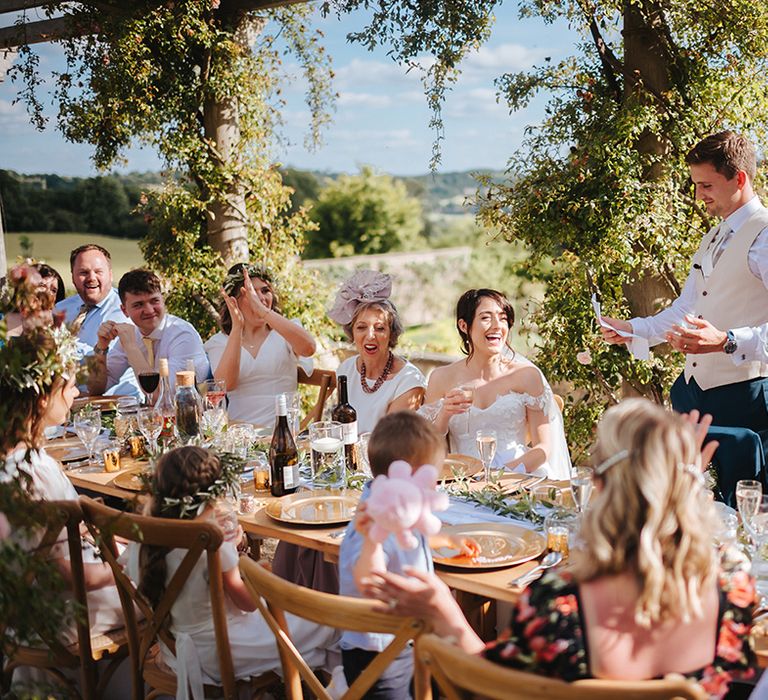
<point x="746" y="345"/>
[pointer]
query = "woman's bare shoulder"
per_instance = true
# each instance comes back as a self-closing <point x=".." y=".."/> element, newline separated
<point x="447" y="376"/>
<point x="526" y="379"/>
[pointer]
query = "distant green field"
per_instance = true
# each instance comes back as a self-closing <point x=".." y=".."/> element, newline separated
<point x="54" y="248"/>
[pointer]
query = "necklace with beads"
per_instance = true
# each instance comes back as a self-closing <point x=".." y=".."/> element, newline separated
<point x="377" y="384"/>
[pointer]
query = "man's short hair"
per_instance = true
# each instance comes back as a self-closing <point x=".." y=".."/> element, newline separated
<point x="138" y="282"/>
<point x="727" y="152"/>
<point x="84" y="249"/>
<point x="403" y="435"/>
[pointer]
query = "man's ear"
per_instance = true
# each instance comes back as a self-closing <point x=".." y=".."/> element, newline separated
<point x="741" y="179"/>
<point x="122" y="308"/>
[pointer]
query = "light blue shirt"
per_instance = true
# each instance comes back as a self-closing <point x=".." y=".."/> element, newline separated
<point x="419" y="558"/>
<point x="108" y="309"/>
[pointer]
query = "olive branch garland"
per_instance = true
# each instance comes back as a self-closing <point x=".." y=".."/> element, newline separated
<point x="190" y="506"/>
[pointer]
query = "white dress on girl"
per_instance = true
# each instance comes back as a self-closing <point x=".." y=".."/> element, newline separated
<point x="253" y="646"/>
<point x="261" y="378"/>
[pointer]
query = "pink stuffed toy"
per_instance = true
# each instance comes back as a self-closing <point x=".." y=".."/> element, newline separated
<point x="404" y="501"/>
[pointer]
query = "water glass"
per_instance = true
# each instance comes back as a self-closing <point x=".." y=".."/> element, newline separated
<point x="581" y="487"/>
<point x="328" y="464"/>
<point x="87" y="424"/>
<point x="486" y="448"/>
<point x="151" y="425"/>
<point x="546" y="496"/>
<point x="213" y="422"/>
<point x="126" y="421"/>
<point x="363" y="463"/>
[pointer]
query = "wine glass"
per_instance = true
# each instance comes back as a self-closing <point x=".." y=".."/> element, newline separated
<point x="748" y="498"/>
<point x="87" y="426"/>
<point x="468" y="392"/>
<point x="125" y="417"/>
<point x="149" y="381"/>
<point x="293" y="404"/>
<point x="486" y="447"/>
<point x="151" y="425"/>
<point x="213" y="392"/>
<point x="581" y="487"/>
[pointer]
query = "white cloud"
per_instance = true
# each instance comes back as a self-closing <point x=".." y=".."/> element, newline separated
<point x="363" y="99"/>
<point x="366" y="72"/>
<point x="491" y="61"/>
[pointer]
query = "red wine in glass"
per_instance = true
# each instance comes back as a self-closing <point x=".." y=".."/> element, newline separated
<point x="149" y="381"/>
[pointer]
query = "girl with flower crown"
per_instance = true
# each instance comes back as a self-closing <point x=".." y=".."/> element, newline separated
<point x="37" y="385"/>
<point x="185" y="486"/>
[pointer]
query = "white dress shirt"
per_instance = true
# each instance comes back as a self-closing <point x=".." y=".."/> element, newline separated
<point x="108" y="309"/>
<point x="175" y="339"/>
<point x="751" y="340"/>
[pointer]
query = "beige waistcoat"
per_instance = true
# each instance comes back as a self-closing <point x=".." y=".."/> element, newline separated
<point x="732" y="297"/>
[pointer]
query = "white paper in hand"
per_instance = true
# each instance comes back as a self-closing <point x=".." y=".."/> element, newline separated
<point x="638" y="346"/>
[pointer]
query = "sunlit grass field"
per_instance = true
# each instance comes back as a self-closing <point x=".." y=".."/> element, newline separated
<point x="54" y="248"/>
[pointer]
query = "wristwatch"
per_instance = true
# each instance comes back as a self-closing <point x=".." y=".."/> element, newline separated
<point x="730" y="343"/>
<point x="103" y="351"/>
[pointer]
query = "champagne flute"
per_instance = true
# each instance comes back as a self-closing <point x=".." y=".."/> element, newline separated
<point x="581" y="487"/>
<point x="748" y="498"/>
<point x="469" y="395"/>
<point x="486" y="447"/>
<point x="87" y="426"/>
<point x="151" y="425"/>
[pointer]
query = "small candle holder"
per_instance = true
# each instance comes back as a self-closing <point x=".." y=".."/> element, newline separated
<point x="111" y="456"/>
<point x="561" y="527"/>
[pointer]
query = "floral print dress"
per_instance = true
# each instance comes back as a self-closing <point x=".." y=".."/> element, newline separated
<point x="547" y="634"/>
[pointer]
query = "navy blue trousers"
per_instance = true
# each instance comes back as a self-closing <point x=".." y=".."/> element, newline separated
<point x="739" y="423"/>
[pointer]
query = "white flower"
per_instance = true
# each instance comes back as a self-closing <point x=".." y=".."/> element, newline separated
<point x="584" y="357"/>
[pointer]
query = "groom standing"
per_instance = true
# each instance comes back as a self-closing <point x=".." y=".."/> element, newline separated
<point x="720" y="319"/>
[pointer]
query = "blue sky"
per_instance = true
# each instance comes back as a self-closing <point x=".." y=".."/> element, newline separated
<point x="381" y="116"/>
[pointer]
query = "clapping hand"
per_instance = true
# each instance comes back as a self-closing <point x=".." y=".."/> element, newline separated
<point x="701" y="425"/>
<point x="234" y="311"/>
<point x="250" y="295"/>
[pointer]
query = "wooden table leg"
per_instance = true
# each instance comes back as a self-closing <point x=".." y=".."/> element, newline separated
<point x="480" y="613"/>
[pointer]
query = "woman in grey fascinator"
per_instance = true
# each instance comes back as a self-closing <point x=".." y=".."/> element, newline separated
<point x="379" y="381"/>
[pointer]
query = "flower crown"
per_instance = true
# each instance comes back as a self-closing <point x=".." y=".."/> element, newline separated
<point x="236" y="276"/>
<point x="192" y="505"/>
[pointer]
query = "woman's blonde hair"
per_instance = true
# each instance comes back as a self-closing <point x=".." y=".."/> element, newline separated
<point x="651" y="515"/>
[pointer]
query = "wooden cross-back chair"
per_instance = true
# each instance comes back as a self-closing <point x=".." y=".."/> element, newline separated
<point x="460" y="675"/>
<point x="54" y="654"/>
<point x="199" y="539"/>
<point x="275" y="596"/>
<point x="325" y="380"/>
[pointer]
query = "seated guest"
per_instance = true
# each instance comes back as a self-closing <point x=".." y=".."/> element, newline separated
<point x="50" y="290"/>
<point x="182" y="484"/>
<point x="258" y="350"/>
<point x="379" y="382"/>
<point x="153" y="334"/>
<point x="43" y="400"/>
<point x="96" y="300"/>
<point x="493" y="388"/>
<point x="398" y="436"/>
<point x="644" y="595"/>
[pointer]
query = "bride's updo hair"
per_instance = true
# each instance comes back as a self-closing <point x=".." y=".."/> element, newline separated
<point x="466" y="308"/>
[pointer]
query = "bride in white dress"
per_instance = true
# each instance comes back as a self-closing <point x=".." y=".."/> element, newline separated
<point x="494" y="389"/>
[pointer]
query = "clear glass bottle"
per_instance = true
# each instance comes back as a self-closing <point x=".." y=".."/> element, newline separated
<point x="189" y="408"/>
<point x="166" y="405"/>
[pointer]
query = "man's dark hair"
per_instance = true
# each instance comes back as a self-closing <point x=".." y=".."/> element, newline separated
<point x="727" y="152"/>
<point x="84" y="249"/>
<point x="138" y="282"/>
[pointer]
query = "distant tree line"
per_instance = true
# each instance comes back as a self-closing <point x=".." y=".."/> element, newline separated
<point x="103" y="205"/>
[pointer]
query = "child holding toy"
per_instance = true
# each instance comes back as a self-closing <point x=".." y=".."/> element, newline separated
<point x="406" y="436"/>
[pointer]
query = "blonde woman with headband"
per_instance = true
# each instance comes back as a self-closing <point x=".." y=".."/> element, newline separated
<point x="644" y="596"/>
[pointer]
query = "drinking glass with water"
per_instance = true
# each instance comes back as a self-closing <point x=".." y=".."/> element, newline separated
<point x="327" y="447"/>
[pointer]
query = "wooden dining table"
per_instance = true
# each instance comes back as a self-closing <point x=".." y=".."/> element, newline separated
<point x="477" y="590"/>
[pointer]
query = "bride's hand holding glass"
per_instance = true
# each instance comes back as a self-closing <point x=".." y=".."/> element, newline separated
<point x="458" y="400"/>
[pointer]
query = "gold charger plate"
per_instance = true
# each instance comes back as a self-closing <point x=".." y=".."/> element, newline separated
<point x="321" y="507"/>
<point x="73" y="452"/>
<point x="105" y="403"/>
<point x="500" y="545"/>
<point x="130" y="480"/>
<point x="459" y="466"/>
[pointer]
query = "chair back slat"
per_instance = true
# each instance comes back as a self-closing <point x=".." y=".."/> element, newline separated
<point x="275" y="595"/>
<point x="196" y="538"/>
<point x="456" y="671"/>
<point x="325" y="379"/>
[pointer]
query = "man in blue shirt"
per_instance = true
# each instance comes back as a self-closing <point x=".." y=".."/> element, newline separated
<point x="96" y="300"/>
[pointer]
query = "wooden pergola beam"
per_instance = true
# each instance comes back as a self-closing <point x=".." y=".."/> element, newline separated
<point x="37" y="32"/>
<point x="17" y="5"/>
